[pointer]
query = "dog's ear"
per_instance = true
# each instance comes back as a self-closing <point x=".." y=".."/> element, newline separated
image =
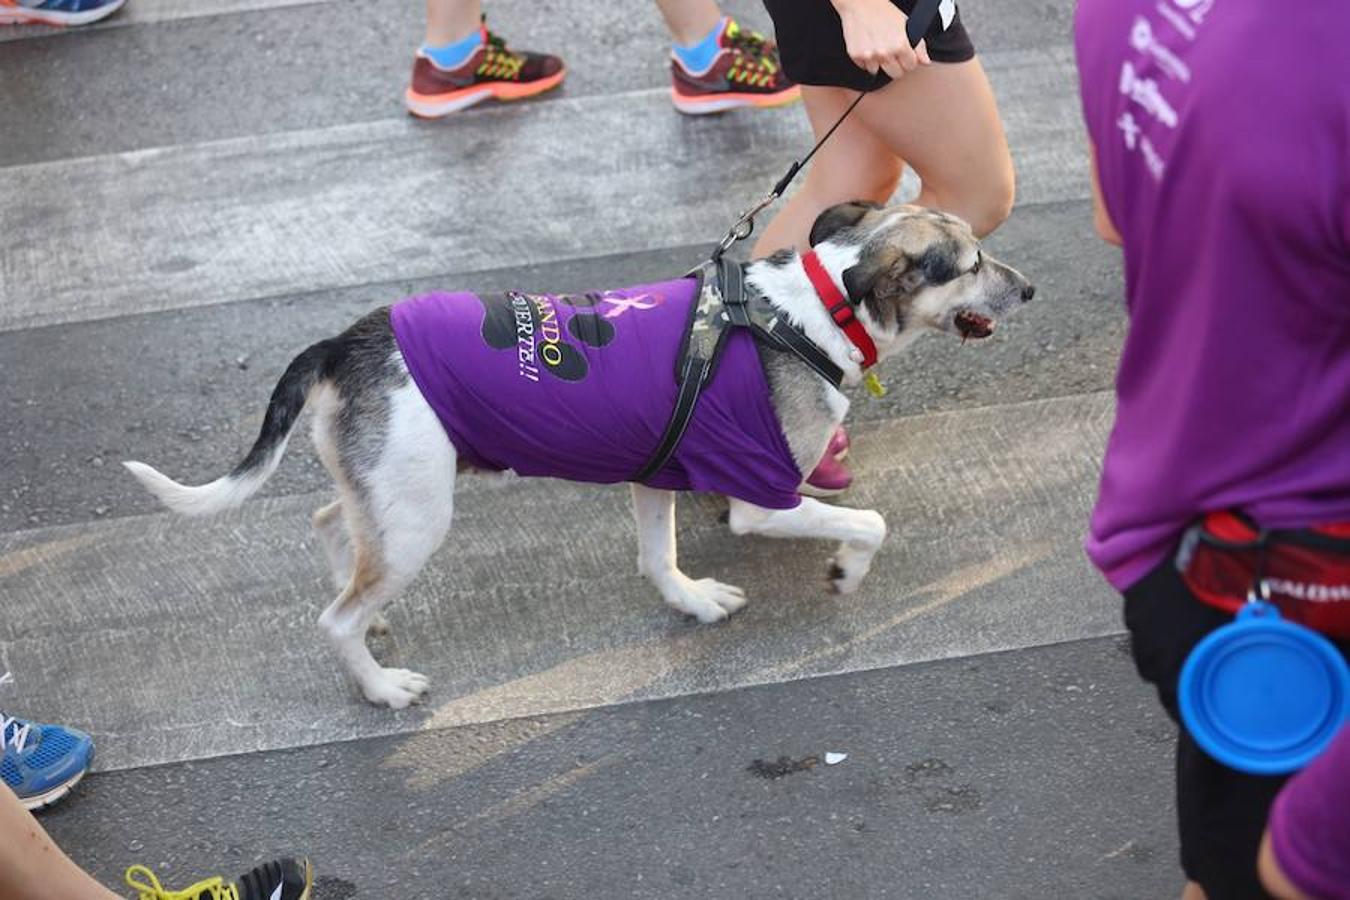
<point x="838" y="217"/>
<point x="860" y="280"/>
<point x="882" y="271"/>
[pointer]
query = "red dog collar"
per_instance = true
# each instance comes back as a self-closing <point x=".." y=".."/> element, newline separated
<point x="840" y="310"/>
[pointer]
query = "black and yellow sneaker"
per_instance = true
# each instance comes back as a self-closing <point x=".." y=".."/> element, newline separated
<point x="745" y="71"/>
<point x="280" y="879"/>
<point x="492" y="70"/>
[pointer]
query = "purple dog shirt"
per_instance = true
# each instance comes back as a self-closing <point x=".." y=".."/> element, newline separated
<point x="581" y="387"/>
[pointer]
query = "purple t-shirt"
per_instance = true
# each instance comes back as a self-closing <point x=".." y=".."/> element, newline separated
<point x="1310" y="824"/>
<point x="1222" y="132"/>
<point x="581" y="387"/>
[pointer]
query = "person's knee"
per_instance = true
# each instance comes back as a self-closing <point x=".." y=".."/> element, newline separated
<point x="993" y="214"/>
<point x="984" y="202"/>
<point x="992" y="207"/>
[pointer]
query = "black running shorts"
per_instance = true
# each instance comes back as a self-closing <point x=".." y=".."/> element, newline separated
<point x="811" y="42"/>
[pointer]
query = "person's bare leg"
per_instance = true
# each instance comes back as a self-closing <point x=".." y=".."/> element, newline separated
<point x="1193" y="891"/>
<point x="962" y="159"/>
<point x="689" y="21"/>
<point x="32" y="867"/>
<point x="449" y="21"/>
<point x="854" y="164"/>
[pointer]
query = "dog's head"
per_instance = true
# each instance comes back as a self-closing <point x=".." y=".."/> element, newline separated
<point x="917" y="268"/>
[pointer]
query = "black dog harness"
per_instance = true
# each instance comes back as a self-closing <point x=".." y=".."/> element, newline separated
<point x="722" y="302"/>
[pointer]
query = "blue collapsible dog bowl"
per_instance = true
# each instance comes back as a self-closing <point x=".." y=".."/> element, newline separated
<point x="1263" y="695"/>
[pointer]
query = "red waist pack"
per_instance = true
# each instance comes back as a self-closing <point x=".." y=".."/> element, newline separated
<point x="1307" y="570"/>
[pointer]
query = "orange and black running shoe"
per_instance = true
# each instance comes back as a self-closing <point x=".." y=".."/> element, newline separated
<point x="493" y="70"/>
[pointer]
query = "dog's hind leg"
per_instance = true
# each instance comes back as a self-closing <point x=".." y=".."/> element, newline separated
<point x="328" y="525"/>
<point x="397" y="499"/>
<point x="704" y="599"/>
<point x="859" y="531"/>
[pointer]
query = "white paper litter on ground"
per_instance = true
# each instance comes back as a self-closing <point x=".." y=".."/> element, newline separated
<point x="834" y="759"/>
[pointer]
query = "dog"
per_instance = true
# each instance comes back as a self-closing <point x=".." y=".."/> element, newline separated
<point x="394" y="446"/>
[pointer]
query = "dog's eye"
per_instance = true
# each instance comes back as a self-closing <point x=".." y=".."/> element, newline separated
<point x="979" y="261"/>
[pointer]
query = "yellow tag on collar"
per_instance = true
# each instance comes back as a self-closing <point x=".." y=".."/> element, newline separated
<point x="874" y="385"/>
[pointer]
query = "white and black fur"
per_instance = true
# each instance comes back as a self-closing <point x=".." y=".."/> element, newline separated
<point x="907" y="270"/>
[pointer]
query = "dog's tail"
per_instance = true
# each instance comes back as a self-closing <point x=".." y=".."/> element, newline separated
<point x="229" y="491"/>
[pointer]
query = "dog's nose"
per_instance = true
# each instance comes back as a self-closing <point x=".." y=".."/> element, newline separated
<point x="1028" y="292"/>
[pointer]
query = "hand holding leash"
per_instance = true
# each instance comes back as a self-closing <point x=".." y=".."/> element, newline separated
<point x="871" y="37"/>
<point x="915" y="28"/>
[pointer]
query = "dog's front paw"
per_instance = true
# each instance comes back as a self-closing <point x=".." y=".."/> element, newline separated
<point x="395" y="688"/>
<point x="706" y="599"/>
<point x="848" y="567"/>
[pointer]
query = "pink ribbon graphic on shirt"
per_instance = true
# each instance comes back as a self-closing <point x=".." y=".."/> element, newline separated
<point x="623" y="304"/>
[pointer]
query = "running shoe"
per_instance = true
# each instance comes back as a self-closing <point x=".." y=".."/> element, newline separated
<point x="280" y="879"/>
<point x="493" y="70"/>
<point x="41" y="763"/>
<point x="56" y="12"/>
<point x="745" y="72"/>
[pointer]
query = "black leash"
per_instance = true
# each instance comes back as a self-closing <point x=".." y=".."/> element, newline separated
<point x="915" y="28"/>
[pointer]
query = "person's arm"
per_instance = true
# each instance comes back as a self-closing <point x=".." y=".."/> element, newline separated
<point x="874" y="36"/>
<point x="1306" y="847"/>
<point x="34" y="868"/>
<point x="1272" y="876"/>
<point x="1101" y="219"/>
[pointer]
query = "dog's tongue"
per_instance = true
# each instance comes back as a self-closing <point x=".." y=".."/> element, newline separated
<point x="973" y="325"/>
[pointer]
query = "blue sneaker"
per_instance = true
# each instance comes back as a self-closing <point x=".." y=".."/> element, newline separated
<point x="56" y="12"/>
<point x="41" y="763"/>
